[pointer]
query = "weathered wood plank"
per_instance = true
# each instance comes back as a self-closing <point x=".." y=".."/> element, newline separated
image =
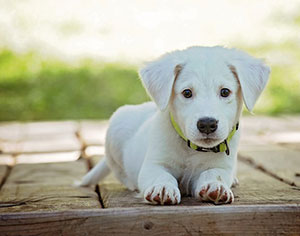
<point x="93" y="132"/>
<point x="7" y="160"/>
<point x="47" y="157"/>
<point x="59" y="143"/>
<point x="49" y="129"/>
<point x="10" y="131"/>
<point x="43" y="145"/>
<point x="114" y="194"/>
<point x="291" y="146"/>
<point x="270" y="130"/>
<point x="268" y="124"/>
<point x="3" y="170"/>
<point x="38" y="137"/>
<point x="255" y="187"/>
<point x="46" y="187"/>
<point x="172" y="220"/>
<point x="9" y="147"/>
<point x="285" y="163"/>
<point x="94" y="151"/>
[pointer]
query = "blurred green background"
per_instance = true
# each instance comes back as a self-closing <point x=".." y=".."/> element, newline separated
<point x="32" y="88"/>
<point x="35" y="87"/>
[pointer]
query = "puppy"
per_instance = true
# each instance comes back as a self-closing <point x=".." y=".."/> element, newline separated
<point x="185" y="142"/>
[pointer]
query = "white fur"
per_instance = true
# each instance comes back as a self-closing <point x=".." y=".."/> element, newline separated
<point x="142" y="147"/>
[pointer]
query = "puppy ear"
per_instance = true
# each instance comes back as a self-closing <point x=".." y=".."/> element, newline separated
<point x="252" y="75"/>
<point x="158" y="78"/>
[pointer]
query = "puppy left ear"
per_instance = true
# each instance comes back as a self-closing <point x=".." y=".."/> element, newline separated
<point x="252" y="75"/>
<point x="158" y="78"/>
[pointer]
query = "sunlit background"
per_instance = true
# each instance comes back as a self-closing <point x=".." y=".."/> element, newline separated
<point x="79" y="59"/>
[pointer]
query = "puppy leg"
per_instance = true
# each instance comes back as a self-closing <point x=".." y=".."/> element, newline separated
<point x="214" y="185"/>
<point x="158" y="186"/>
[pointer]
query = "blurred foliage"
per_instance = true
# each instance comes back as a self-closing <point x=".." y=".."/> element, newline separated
<point x="32" y="88"/>
<point x="282" y="94"/>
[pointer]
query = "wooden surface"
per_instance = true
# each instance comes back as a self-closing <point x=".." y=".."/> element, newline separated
<point x="283" y="162"/>
<point x="39" y="163"/>
<point x="3" y="172"/>
<point x="46" y="187"/>
<point x="158" y="220"/>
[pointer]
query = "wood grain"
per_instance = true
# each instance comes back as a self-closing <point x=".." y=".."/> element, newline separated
<point x="280" y="161"/>
<point x="260" y="130"/>
<point x="46" y="187"/>
<point x="47" y="157"/>
<point x="58" y="143"/>
<point x="255" y="187"/>
<point x="39" y="199"/>
<point x="38" y="137"/>
<point x="49" y="129"/>
<point x="7" y="160"/>
<point x="10" y="131"/>
<point x="3" y="170"/>
<point x="93" y="132"/>
<point x="172" y="220"/>
<point x="291" y="146"/>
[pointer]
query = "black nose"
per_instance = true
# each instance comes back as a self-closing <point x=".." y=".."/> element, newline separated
<point x="207" y="125"/>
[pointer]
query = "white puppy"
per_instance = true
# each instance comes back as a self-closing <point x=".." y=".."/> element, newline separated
<point x="185" y="143"/>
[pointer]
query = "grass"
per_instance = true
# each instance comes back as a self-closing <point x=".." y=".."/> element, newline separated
<point x="282" y="94"/>
<point x="32" y="88"/>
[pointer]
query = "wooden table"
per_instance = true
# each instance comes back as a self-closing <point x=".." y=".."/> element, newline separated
<point x="39" y="162"/>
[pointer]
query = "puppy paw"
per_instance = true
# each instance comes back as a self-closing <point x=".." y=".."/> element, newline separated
<point x="215" y="192"/>
<point x="163" y="194"/>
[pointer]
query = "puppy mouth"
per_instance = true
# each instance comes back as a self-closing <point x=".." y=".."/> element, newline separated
<point x="208" y="142"/>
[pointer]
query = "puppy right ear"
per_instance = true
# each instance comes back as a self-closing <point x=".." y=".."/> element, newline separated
<point x="158" y="78"/>
<point x="252" y="75"/>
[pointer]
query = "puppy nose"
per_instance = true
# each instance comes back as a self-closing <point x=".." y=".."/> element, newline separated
<point x="207" y="125"/>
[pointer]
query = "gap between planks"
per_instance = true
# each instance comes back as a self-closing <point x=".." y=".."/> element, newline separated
<point x="97" y="187"/>
<point x="249" y="161"/>
<point x="29" y="201"/>
<point x="46" y="187"/>
<point x="5" y="176"/>
<point x="87" y="160"/>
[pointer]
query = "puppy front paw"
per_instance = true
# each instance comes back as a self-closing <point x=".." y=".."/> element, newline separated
<point x="163" y="194"/>
<point x="216" y="192"/>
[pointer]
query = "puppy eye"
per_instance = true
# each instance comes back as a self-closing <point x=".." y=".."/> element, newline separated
<point x="225" y="92"/>
<point x="187" y="93"/>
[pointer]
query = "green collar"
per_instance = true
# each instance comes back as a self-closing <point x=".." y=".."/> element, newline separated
<point x="222" y="147"/>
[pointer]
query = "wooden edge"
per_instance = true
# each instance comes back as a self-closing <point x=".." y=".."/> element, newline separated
<point x="158" y="220"/>
<point x="4" y="172"/>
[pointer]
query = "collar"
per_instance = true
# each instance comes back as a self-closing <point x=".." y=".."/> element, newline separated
<point x="222" y="147"/>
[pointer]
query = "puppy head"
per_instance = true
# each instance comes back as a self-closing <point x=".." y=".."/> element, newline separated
<point x="204" y="88"/>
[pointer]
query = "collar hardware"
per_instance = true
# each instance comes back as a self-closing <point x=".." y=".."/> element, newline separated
<point x="222" y="147"/>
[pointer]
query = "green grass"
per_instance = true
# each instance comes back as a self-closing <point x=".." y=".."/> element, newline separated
<point x="32" y="88"/>
<point x="282" y="94"/>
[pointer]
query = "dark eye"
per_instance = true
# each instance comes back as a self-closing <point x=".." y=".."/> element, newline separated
<point x="225" y="92"/>
<point x="187" y="93"/>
